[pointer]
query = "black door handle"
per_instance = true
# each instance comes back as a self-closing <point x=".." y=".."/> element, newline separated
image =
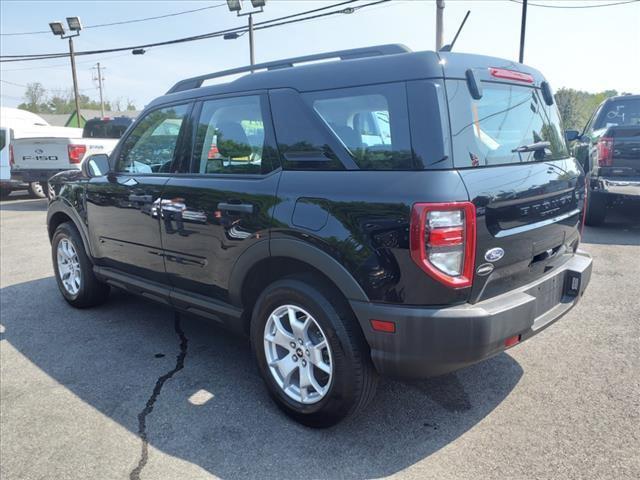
<point x="236" y="207"/>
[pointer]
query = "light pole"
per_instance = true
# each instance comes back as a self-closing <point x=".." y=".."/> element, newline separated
<point x="236" y="6"/>
<point x="58" y="29"/>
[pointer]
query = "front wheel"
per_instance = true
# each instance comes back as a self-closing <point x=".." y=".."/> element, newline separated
<point x="73" y="269"/>
<point x="311" y="352"/>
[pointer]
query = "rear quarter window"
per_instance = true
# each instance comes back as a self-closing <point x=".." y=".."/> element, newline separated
<point x="372" y="122"/>
<point x="486" y="132"/>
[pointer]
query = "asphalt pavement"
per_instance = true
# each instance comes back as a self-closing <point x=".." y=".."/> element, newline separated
<point x="129" y="390"/>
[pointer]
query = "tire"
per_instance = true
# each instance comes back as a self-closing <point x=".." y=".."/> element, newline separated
<point x="88" y="291"/>
<point x="38" y="189"/>
<point x="4" y="193"/>
<point x="353" y="379"/>
<point x="596" y="210"/>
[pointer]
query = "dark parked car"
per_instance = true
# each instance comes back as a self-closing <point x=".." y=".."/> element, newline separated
<point x="106" y="127"/>
<point x="395" y="213"/>
<point x="609" y="150"/>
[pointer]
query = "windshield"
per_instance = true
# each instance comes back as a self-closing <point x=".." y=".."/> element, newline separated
<point x="619" y="112"/>
<point x="496" y="129"/>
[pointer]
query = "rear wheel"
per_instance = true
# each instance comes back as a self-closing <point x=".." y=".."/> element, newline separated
<point x="310" y="352"/>
<point x="596" y="210"/>
<point x="38" y="189"/>
<point x="73" y="269"/>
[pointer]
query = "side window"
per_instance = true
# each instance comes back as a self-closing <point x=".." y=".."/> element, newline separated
<point x="232" y="137"/>
<point x="372" y="122"/>
<point x="302" y="140"/>
<point x="151" y="145"/>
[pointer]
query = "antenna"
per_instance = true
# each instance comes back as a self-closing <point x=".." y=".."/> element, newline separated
<point x="447" y="48"/>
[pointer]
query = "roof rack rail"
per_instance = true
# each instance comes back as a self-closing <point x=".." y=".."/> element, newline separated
<point x="380" y="50"/>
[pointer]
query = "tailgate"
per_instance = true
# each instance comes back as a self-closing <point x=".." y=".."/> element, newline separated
<point x="41" y="154"/>
<point x="626" y="151"/>
<point x="530" y="215"/>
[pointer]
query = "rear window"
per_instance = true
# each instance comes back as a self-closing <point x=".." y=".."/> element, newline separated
<point x="488" y="131"/>
<point x="618" y="113"/>
<point x="105" y="129"/>
<point x="371" y="122"/>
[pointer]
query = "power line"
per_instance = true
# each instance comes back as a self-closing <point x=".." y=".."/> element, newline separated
<point x="258" y="26"/>
<point x="576" y="6"/>
<point x="100" y="25"/>
<point x="11" y="83"/>
<point x="65" y="65"/>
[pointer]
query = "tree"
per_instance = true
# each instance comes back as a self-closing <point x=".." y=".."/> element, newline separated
<point x="35" y="97"/>
<point x="576" y="106"/>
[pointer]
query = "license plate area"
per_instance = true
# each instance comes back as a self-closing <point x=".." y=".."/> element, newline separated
<point x="548" y="294"/>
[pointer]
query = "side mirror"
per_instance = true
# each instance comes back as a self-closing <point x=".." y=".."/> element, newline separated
<point x="96" y="165"/>
<point x="571" y="135"/>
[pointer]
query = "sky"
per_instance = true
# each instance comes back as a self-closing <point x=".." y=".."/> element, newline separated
<point x="590" y="49"/>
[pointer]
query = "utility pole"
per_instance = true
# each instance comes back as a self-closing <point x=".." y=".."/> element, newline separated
<point x="523" y="26"/>
<point x="75" y="80"/>
<point x="439" y="26"/>
<point x="252" y="56"/>
<point x="100" y="88"/>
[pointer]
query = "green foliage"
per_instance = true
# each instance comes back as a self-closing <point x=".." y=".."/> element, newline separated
<point x="38" y="100"/>
<point x="576" y="106"/>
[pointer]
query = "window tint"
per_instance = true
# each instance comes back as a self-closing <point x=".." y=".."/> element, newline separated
<point x="303" y="140"/>
<point x="151" y="145"/>
<point x="105" y="128"/>
<point x="488" y="131"/>
<point x="372" y="123"/>
<point x="619" y="112"/>
<point x="231" y="137"/>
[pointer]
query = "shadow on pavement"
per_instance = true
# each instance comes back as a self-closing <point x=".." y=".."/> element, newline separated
<point x="112" y="356"/>
<point x="24" y="204"/>
<point x="622" y="227"/>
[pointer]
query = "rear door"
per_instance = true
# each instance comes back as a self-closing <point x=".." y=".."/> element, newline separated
<point x="224" y="204"/>
<point x="123" y="207"/>
<point x="529" y="203"/>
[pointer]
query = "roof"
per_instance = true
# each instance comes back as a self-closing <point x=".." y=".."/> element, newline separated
<point x="399" y="65"/>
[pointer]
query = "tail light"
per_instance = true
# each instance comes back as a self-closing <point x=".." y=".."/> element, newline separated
<point x="443" y="241"/>
<point x="584" y="204"/>
<point x="605" y="151"/>
<point x="12" y="158"/>
<point x="76" y="152"/>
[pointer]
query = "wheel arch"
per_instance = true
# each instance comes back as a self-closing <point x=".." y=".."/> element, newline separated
<point x="59" y="213"/>
<point x="266" y="262"/>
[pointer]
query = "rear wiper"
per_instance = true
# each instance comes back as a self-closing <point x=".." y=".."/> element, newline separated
<point x="532" y="147"/>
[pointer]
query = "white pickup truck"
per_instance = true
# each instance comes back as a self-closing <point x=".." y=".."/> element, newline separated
<point x="38" y="159"/>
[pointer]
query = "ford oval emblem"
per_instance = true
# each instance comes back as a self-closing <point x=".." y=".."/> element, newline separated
<point x="494" y="254"/>
<point x="484" y="269"/>
<point x="39" y="151"/>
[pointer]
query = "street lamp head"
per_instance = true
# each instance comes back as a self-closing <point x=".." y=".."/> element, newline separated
<point x="57" y="28"/>
<point x="258" y="3"/>
<point x="74" y="24"/>
<point x="234" y="5"/>
<point x="230" y="36"/>
<point x="138" y="51"/>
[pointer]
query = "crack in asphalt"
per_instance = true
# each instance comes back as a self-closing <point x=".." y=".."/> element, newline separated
<point x="142" y="416"/>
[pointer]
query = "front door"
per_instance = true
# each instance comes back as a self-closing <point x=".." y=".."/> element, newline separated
<point x="123" y="207"/>
<point x="224" y="205"/>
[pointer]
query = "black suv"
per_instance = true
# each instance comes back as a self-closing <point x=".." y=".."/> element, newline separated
<point x="394" y="213"/>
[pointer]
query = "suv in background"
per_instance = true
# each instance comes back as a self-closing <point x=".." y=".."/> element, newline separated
<point x="609" y="150"/>
<point x="396" y="213"/>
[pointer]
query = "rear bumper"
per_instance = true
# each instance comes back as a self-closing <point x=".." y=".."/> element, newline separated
<point x="33" y="175"/>
<point x="430" y="341"/>
<point x="617" y="186"/>
<point x="11" y="184"/>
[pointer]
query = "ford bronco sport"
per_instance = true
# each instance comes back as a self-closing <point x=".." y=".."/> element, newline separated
<point x="389" y="213"/>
